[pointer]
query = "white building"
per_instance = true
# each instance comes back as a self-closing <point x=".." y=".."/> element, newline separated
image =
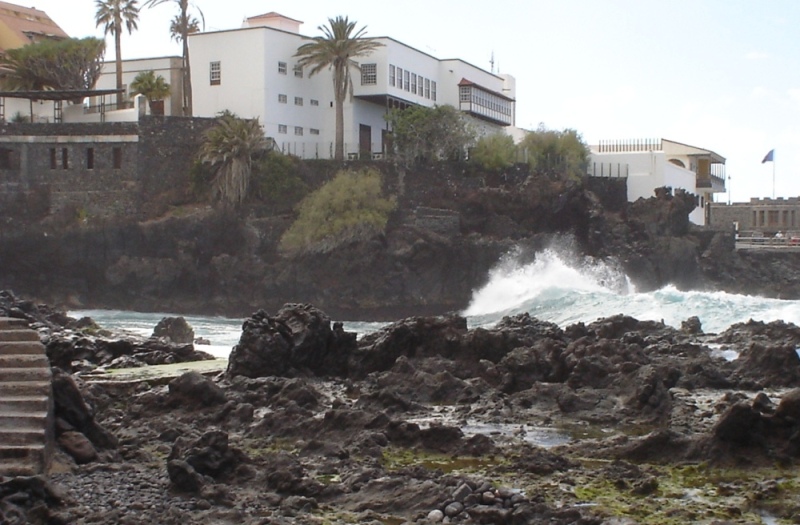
<point x="168" y="67"/>
<point x="650" y="164"/>
<point x="298" y="110"/>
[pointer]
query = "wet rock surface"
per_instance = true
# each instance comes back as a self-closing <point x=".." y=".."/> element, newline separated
<point x="427" y="421"/>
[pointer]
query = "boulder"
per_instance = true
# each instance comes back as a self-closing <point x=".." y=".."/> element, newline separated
<point x="193" y="388"/>
<point x="70" y="406"/>
<point x="299" y="337"/>
<point x="175" y="329"/>
<point x="78" y="446"/>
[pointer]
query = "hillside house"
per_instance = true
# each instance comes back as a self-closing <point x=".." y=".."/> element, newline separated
<point x="298" y="110"/>
<point x="650" y="164"/>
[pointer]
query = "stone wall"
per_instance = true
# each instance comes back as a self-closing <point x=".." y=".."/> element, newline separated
<point x="95" y="171"/>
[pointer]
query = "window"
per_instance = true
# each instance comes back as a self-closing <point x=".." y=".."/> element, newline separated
<point x="282" y="128"/>
<point x="53" y="162"/>
<point x="64" y="158"/>
<point x="433" y="90"/>
<point x="283" y="99"/>
<point x="313" y="131"/>
<point x="414" y="83"/>
<point x="298" y="101"/>
<point x="117" y="154"/>
<point x="464" y="94"/>
<point x="406" y="80"/>
<point x="399" y="78"/>
<point x="215" y="73"/>
<point x="298" y="71"/>
<point x="391" y="75"/>
<point x="427" y="88"/>
<point x="369" y="74"/>
<point x="314" y="102"/>
<point x="282" y="68"/>
<point x="89" y="158"/>
<point x="298" y="130"/>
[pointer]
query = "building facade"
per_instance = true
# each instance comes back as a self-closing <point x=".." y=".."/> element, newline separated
<point x="764" y="216"/>
<point x="167" y="67"/>
<point x="297" y="110"/>
<point x="649" y="164"/>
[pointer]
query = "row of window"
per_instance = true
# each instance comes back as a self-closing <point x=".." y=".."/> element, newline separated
<point x="59" y="158"/>
<point x="408" y="81"/>
<point x="298" y="101"/>
<point x="298" y="130"/>
<point x="484" y="99"/>
<point x="283" y="69"/>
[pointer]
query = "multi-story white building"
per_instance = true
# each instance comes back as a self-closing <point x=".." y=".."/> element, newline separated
<point x="297" y="109"/>
<point x="650" y="164"/>
<point x="167" y="67"/>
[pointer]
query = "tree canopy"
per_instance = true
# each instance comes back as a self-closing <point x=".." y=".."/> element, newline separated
<point x="229" y="148"/>
<point x="152" y="86"/>
<point x="335" y="50"/>
<point x="555" y="153"/>
<point x="68" y="64"/>
<point x="114" y="15"/>
<point x="421" y="133"/>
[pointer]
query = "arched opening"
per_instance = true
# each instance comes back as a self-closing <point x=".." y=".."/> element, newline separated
<point x="678" y="162"/>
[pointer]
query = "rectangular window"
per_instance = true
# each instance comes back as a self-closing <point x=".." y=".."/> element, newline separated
<point x="314" y="102"/>
<point x="427" y="88"/>
<point x="392" y="73"/>
<point x="399" y="78"/>
<point x="117" y="154"/>
<point x="298" y="71"/>
<point x="215" y="73"/>
<point x="298" y="130"/>
<point x="313" y="131"/>
<point x="298" y="101"/>
<point x="89" y="158"/>
<point x="282" y="128"/>
<point x="53" y="161"/>
<point x="414" y="83"/>
<point x="282" y="68"/>
<point x="283" y="99"/>
<point x="464" y="93"/>
<point x="407" y="80"/>
<point x="369" y="74"/>
<point x="64" y="158"/>
<point x="433" y="90"/>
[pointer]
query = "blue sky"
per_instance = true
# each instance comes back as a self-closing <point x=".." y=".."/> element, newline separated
<point x="717" y="74"/>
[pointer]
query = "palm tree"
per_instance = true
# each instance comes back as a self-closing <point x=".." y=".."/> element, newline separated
<point x="175" y="28"/>
<point x="183" y="24"/>
<point x="335" y="50"/>
<point x="229" y="148"/>
<point x="112" y="14"/>
<point x="153" y="87"/>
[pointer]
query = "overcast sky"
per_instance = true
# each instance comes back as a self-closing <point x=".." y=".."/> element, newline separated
<point x="718" y="74"/>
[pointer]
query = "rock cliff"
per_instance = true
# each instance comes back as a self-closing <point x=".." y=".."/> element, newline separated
<point x="450" y="228"/>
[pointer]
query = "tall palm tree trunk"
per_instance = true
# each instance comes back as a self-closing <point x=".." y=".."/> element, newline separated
<point x="118" y="51"/>
<point x="187" y="71"/>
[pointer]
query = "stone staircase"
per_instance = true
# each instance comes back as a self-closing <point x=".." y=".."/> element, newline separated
<point x="26" y="428"/>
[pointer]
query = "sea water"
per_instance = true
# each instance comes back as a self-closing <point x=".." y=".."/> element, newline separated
<point x="552" y="286"/>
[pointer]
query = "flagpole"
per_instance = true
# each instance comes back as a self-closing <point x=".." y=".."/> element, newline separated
<point x="773" y="174"/>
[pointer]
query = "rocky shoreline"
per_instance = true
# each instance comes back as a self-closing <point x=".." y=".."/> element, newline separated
<point x="425" y="421"/>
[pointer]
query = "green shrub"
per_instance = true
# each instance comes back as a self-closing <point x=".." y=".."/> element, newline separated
<point x="494" y="152"/>
<point x="276" y="181"/>
<point x="349" y="208"/>
<point x="558" y="154"/>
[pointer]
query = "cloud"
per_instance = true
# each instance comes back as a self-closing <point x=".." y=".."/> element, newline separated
<point x="794" y="94"/>
<point x="756" y="55"/>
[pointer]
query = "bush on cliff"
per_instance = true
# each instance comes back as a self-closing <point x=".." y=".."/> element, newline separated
<point x="349" y="208"/>
<point x="494" y="152"/>
<point x="420" y="133"/>
<point x="276" y="181"/>
<point x="557" y="154"/>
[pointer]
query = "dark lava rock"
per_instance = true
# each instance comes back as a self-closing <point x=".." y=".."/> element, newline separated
<point x="183" y="476"/>
<point x="78" y="446"/>
<point x="209" y="455"/>
<point x="770" y="364"/>
<point x="176" y="329"/>
<point x="299" y="337"/>
<point x="193" y="388"/>
<point x="71" y="407"/>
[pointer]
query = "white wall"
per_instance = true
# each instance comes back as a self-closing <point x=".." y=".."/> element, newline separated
<point x="167" y="67"/>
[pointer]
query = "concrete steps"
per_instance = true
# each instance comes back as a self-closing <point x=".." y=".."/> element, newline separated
<point x="26" y="433"/>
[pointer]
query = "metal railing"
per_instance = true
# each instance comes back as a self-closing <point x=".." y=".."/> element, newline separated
<point x="759" y="240"/>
